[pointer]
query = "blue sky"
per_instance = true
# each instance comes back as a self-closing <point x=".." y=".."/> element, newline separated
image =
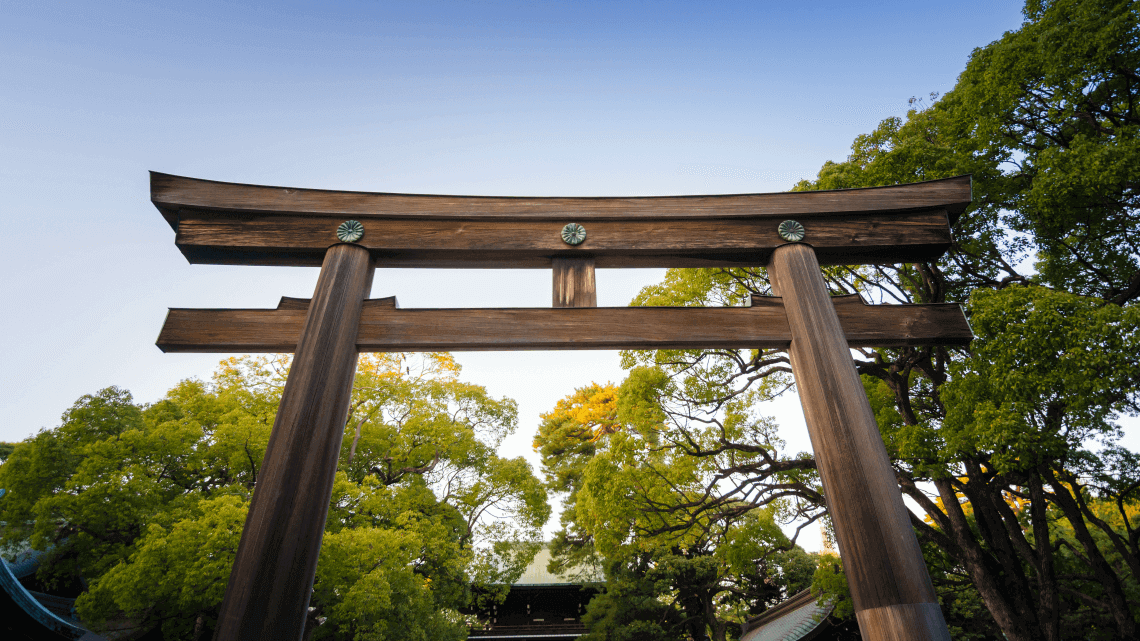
<point x="493" y="98"/>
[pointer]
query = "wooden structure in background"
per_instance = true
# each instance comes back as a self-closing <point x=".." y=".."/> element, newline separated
<point x="797" y="618"/>
<point x="226" y="223"/>
<point x="540" y="605"/>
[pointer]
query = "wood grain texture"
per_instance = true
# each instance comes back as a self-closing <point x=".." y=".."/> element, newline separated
<point x="881" y="557"/>
<point x="268" y="592"/>
<point x="386" y="328"/>
<point x="574" y="284"/>
<point x="248" y="239"/>
<point x="904" y="622"/>
<point x="173" y="193"/>
<point x="228" y="223"/>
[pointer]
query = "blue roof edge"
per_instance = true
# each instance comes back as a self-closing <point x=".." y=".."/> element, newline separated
<point x="28" y="603"/>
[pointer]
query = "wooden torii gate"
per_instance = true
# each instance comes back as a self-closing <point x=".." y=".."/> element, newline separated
<point x="349" y="234"/>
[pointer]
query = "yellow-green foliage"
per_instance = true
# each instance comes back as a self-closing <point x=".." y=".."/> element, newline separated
<point x="146" y="503"/>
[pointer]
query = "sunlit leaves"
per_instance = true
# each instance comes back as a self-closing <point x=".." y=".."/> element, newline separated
<point x="176" y="575"/>
<point x="146" y="504"/>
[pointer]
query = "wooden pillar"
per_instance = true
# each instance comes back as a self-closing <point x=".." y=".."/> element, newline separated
<point x="894" y="599"/>
<point x="574" y="282"/>
<point x="268" y="592"/>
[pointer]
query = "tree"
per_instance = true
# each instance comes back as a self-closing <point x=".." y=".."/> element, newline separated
<point x="685" y="554"/>
<point x="1056" y="100"/>
<point x="567" y="438"/>
<point x="146" y="503"/>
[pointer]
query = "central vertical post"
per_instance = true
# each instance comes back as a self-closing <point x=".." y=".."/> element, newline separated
<point x="574" y="282"/>
<point x="268" y="592"/>
<point x="890" y="586"/>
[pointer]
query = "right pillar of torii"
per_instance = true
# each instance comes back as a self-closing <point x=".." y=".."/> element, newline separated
<point x="886" y="573"/>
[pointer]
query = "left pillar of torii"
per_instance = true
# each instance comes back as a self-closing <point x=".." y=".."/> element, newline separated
<point x="269" y="588"/>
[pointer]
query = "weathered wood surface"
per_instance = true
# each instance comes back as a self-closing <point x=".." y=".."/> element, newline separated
<point x="903" y="622"/>
<point x="170" y="193"/>
<point x="889" y="583"/>
<point x="291" y="240"/>
<point x="574" y="284"/>
<point x="226" y="223"/>
<point x="268" y="592"/>
<point x="386" y="328"/>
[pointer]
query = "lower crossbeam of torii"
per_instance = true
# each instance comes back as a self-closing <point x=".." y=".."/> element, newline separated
<point x="350" y="234"/>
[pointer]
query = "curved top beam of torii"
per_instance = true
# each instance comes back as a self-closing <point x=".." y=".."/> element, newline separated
<point x="231" y="223"/>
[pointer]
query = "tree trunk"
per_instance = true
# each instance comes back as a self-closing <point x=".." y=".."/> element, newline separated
<point x="1048" y="597"/>
<point x="1106" y="576"/>
<point x="986" y="573"/>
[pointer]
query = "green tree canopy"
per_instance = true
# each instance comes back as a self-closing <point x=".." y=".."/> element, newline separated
<point x="144" y="504"/>
<point x="686" y="554"/>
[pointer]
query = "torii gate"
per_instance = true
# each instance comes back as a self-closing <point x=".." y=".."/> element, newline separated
<point x="349" y="234"/>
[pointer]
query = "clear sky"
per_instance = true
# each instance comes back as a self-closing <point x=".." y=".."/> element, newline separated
<point x="487" y="98"/>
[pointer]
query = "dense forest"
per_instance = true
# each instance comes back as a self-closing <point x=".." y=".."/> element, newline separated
<point x="674" y="481"/>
